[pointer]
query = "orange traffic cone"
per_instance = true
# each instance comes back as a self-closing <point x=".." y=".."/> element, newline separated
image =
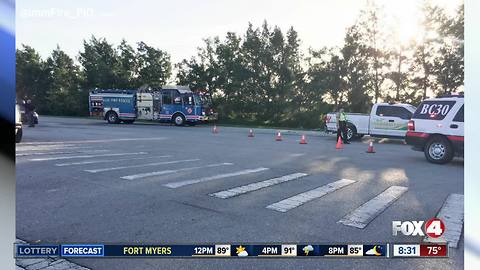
<point x="279" y="137"/>
<point x="215" y="129"/>
<point x="303" y="140"/>
<point x="339" y="144"/>
<point x="370" y="148"/>
<point x="250" y="134"/>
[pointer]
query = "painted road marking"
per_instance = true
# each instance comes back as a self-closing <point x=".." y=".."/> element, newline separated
<point x="141" y="165"/>
<point x="360" y="217"/>
<point x="58" y="153"/>
<point x="88" y="156"/>
<point x="47" y="147"/>
<point x="215" y="177"/>
<point x="452" y="215"/>
<point x="96" y="141"/>
<point x="256" y="186"/>
<point x="302" y="198"/>
<point x="149" y="174"/>
<point x="106" y="161"/>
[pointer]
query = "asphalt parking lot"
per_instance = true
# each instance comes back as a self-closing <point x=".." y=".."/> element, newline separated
<point x="81" y="180"/>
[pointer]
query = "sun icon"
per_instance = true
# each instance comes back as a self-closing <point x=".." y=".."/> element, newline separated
<point x="241" y="252"/>
<point x="240" y="249"/>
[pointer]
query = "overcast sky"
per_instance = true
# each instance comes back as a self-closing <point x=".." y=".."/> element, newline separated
<point x="179" y="26"/>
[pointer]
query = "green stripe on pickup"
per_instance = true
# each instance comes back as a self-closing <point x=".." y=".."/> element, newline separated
<point x="388" y="125"/>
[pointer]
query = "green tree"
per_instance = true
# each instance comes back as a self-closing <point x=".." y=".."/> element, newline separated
<point x="201" y="73"/>
<point x="425" y="65"/>
<point x="99" y="60"/>
<point x="154" y="67"/>
<point x="31" y="76"/>
<point x="449" y="64"/>
<point x="357" y="70"/>
<point x="253" y="89"/>
<point x="399" y="74"/>
<point x="292" y="81"/>
<point x="373" y="37"/>
<point x="325" y="83"/>
<point x="126" y="70"/>
<point x="65" y="95"/>
<point x="331" y="77"/>
<point x="227" y="65"/>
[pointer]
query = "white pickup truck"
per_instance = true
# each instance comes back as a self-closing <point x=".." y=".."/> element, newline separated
<point x="385" y="120"/>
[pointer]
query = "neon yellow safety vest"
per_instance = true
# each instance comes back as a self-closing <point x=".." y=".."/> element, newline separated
<point x="343" y="117"/>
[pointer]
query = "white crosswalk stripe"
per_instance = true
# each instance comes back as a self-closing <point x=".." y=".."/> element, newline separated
<point x="28" y="148"/>
<point x="157" y="173"/>
<point x="360" y="217"/>
<point x="107" y="160"/>
<point x="141" y="165"/>
<point x="95" y="141"/>
<point x="215" y="177"/>
<point x="300" y="199"/>
<point x="58" y="153"/>
<point x="87" y="156"/>
<point x="452" y="215"/>
<point x="256" y="186"/>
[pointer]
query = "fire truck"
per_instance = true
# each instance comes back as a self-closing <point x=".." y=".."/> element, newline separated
<point x="175" y="104"/>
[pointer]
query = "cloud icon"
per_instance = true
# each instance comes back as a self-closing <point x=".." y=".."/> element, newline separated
<point x="373" y="251"/>
<point x="307" y="249"/>
<point x="243" y="254"/>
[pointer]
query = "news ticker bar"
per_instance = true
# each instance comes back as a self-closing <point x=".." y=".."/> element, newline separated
<point x="231" y="250"/>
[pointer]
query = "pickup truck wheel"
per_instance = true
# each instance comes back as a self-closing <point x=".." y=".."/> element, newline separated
<point x="112" y="118"/>
<point x="351" y="132"/>
<point x="438" y="150"/>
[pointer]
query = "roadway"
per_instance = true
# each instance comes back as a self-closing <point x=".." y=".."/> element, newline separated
<point x="81" y="180"/>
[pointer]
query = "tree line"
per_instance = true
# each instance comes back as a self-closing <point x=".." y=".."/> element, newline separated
<point x="262" y="76"/>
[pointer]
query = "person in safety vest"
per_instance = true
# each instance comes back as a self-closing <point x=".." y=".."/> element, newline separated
<point x="342" y="125"/>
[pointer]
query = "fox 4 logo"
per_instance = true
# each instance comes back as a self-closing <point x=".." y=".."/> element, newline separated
<point x="433" y="228"/>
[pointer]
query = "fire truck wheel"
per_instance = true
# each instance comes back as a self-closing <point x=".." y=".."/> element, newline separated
<point x="112" y="117"/>
<point x="178" y="119"/>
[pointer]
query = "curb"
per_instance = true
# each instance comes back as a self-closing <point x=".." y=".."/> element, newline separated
<point x="210" y="125"/>
<point x="310" y="133"/>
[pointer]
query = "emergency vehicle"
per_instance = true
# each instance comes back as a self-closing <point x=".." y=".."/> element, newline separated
<point x="436" y="128"/>
<point x="176" y="104"/>
<point x="385" y="120"/>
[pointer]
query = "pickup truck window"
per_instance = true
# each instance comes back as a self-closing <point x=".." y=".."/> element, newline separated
<point x="402" y="113"/>
<point x="459" y="116"/>
<point x="382" y="110"/>
<point x="394" y="111"/>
